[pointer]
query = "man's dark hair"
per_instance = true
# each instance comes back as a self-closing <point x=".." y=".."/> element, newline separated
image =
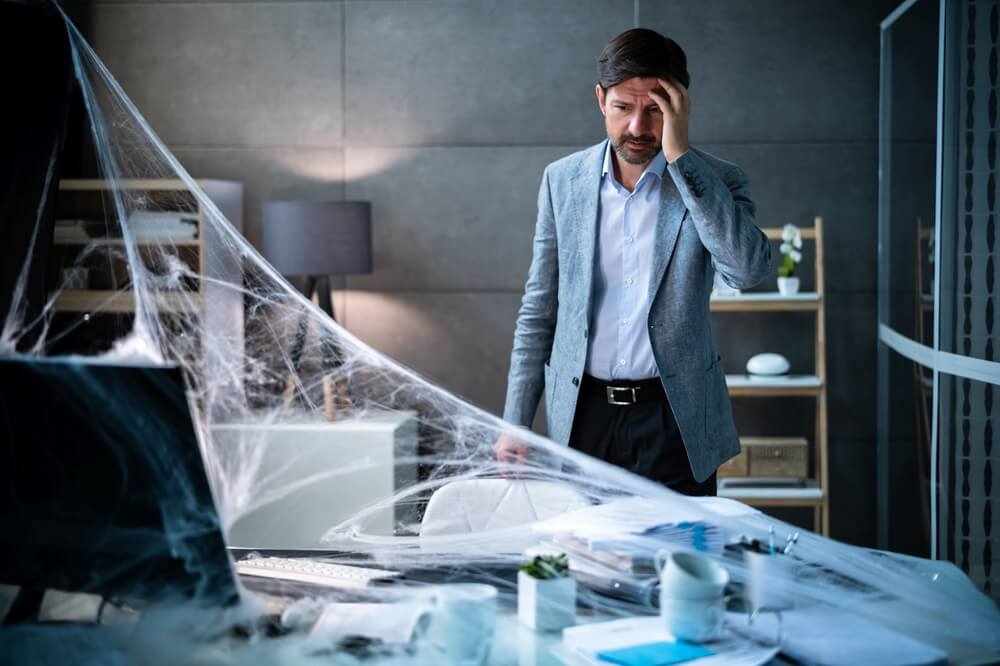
<point x="643" y="53"/>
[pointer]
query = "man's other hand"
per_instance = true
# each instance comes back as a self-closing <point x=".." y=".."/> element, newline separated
<point x="510" y="450"/>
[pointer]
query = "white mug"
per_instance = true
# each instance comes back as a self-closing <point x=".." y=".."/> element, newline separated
<point x="687" y="575"/>
<point x="692" y="594"/>
<point x="696" y="620"/>
<point x="463" y="621"/>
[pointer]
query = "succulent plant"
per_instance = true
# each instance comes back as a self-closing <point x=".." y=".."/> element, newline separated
<point x="546" y="567"/>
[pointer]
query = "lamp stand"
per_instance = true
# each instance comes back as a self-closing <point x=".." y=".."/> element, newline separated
<point x="333" y="391"/>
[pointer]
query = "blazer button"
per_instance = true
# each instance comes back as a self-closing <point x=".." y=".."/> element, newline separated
<point x="576" y="381"/>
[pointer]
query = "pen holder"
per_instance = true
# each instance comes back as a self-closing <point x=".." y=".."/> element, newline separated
<point x="546" y="605"/>
<point x="770" y="581"/>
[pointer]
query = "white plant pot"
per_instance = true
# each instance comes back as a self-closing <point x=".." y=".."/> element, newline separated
<point x="546" y="605"/>
<point x="788" y="285"/>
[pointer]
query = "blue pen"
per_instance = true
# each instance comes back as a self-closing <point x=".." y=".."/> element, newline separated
<point x="770" y="540"/>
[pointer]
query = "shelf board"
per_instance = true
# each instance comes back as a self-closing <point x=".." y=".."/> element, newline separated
<point x="108" y="301"/>
<point x="774" y="441"/>
<point x="763" y="495"/>
<point x="93" y="184"/>
<point x="745" y="385"/>
<point x="178" y="242"/>
<point x="766" y="301"/>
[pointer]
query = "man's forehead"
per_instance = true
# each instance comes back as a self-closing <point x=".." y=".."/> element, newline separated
<point x="631" y="89"/>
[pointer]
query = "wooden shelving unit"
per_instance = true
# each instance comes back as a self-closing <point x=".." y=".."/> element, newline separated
<point x="815" y="491"/>
<point x="88" y="199"/>
<point x="88" y="319"/>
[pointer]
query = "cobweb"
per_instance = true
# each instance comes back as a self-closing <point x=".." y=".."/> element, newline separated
<point x="256" y="355"/>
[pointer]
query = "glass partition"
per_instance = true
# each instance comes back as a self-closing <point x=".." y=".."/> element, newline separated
<point x="939" y="379"/>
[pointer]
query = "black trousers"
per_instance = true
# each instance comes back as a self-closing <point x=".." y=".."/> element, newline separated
<point x="642" y="438"/>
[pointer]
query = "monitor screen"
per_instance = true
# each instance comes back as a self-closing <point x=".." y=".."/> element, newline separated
<point x="102" y="484"/>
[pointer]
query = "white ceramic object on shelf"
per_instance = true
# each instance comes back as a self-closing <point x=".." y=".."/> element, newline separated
<point x="788" y="285"/>
<point x="546" y="605"/>
<point x="767" y="365"/>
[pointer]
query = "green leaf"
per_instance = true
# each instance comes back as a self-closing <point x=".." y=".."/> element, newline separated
<point x="547" y="567"/>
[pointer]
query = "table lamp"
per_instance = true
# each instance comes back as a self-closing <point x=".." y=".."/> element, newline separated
<point x="317" y="239"/>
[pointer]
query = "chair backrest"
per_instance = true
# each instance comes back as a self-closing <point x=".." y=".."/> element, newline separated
<point x="477" y="505"/>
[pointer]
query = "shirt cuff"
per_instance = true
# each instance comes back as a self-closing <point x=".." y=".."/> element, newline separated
<point x="678" y="157"/>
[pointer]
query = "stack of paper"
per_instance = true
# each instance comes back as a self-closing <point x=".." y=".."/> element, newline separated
<point x="696" y="535"/>
<point x="70" y="231"/>
<point x="162" y="225"/>
<point x="636" y="517"/>
<point x="612" y="546"/>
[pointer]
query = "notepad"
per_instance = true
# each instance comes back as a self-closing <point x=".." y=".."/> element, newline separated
<point x="661" y="653"/>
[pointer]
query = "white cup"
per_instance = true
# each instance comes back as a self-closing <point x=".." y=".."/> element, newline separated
<point x="687" y="575"/>
<point x="694" y="620"/>
<point x="463" y="621"/>
<point x="692" y="594"/>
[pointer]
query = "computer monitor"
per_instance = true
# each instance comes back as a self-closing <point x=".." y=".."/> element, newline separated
<point x="102" y="484"/>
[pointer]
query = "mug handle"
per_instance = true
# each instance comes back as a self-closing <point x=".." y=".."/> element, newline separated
<point x="660" y="558"/>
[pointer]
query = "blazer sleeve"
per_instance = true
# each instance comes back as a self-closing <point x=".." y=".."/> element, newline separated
<point x="536" y="318"/>
<point x="723" y="215"/>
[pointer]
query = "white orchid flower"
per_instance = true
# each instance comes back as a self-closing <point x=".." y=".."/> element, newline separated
<point x="789" y="232"/>
<point x="796" y="256"/>
<point x="797" y="241"/>
<point x="785" y="248"/>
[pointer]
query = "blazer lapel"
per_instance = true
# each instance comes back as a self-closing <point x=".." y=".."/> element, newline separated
<point x="586" y="197"/>
<point x="668" y="226"/>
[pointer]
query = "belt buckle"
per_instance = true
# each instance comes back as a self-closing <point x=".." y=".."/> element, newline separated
<point x="611" y="395"/>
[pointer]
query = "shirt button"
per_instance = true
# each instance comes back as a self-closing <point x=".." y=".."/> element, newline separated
<point x="621" y="361"/>
<point x="625" y="322"/>
<point x="630" y="281"/>
<point x="629" y="238"/>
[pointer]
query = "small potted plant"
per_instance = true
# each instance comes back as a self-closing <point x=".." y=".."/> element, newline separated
<point x="791" y="244"/>
<point x="546" y="593"/>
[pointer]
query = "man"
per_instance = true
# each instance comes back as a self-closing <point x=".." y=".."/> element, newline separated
<point x="614" y="323"/>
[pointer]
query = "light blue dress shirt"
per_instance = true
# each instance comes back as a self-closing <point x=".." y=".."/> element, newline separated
<point x="618" y="346"/>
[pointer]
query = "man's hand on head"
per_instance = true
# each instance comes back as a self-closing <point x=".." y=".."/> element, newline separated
<point x="674" y="107"/>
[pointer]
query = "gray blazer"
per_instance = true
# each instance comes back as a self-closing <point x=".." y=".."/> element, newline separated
<point x="705" y="223"/>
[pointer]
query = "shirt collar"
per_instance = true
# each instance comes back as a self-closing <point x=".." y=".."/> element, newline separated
<point x="656" y="167"/>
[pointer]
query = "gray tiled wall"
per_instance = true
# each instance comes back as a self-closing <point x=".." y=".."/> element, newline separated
<point x="443" y="113"/>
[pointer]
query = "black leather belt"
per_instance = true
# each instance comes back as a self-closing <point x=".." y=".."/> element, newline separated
<point x="623" y="392"/>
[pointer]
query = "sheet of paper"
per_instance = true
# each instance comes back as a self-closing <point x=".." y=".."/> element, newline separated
<point x="392" y="623"/>
<point x="832" y="637"/>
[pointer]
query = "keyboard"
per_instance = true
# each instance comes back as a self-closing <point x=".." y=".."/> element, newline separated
<point x="313" y="572"/>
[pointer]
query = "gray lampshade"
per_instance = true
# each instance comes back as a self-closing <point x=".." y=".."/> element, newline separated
<point x="318" y="237"/>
